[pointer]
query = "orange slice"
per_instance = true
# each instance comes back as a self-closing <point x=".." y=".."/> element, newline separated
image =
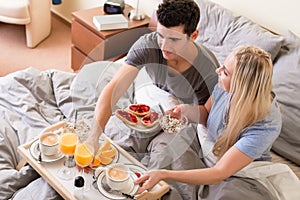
<point x="105" y="154"/>
<point x="104" y="146"/>
<point x="105" y="160"/>
<point x="99" y="159"/>
<point x="109" y="153"/>
<point x="96" y="162"/>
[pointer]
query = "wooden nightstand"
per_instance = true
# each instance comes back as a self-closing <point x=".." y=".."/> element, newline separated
<point x="90" y="45"/>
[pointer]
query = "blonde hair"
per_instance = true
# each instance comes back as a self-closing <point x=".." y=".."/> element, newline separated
<point x="251" y="94"/>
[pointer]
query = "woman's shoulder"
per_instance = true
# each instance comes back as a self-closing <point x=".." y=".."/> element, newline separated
<point x="218" y="93"/>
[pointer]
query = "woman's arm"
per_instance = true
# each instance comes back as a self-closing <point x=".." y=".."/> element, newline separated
<point x="232" y="161"/>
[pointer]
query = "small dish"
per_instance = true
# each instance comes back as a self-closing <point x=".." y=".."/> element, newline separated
<point x="35" y="152"/>
<point x="131" y="190"/>
<point x="141" y="128"/>
<point x="171" y="124"/>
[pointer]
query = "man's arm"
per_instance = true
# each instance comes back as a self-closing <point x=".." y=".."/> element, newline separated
<point x="110" y="96"/>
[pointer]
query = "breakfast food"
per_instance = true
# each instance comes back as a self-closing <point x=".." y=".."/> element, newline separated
<point x="105" y="154"/>
<point x="81" y="128"/>
<point x="139" y="109"/>
<point x="150" y="119"/>
<point x="171" y="124"/>
<point x="127" y="117"/>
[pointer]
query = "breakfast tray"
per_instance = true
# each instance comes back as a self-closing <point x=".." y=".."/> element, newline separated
<point x="48" y="170"/>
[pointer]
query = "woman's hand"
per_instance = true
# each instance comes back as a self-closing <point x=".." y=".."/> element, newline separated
<point x="149" y="180"/>
<point x="189" y="110"/>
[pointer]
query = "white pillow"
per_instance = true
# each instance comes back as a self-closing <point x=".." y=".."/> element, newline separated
<point x="287" y="88"/>
<point x="221" y="32"/>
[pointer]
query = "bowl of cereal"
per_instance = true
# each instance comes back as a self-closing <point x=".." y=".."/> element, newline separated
<point x="172" y="124"/>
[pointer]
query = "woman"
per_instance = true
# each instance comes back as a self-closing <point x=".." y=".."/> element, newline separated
<point x="242" y="119"/>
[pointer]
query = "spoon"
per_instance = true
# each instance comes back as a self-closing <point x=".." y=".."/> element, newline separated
<point x="40" y="155"/>
<point x="161" y="109"/>
<point x="75" y="122"/>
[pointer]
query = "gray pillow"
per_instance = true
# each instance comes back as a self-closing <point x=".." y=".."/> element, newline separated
<point x="287" y="88"/>
<point x="221" y="32"/>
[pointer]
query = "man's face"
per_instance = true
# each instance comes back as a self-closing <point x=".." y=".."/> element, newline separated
<point x="172" y="41"/>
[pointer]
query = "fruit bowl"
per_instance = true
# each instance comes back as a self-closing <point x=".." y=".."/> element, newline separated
<point x="172" y="124"/>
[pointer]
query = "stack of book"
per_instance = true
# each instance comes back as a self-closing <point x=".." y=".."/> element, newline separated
<point x="110" y="22"/>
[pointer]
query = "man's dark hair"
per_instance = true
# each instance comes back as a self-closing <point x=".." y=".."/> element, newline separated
<point x="172" y="13"/>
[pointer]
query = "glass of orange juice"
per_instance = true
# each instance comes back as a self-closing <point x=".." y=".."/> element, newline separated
<point x="67" y="145"/>
<point x="84" y="156"/>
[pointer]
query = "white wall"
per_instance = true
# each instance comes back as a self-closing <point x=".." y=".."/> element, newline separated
<point x="276" y="15"/>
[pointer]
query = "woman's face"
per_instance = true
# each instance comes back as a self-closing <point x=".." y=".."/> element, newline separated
<point x="225" y="72"/>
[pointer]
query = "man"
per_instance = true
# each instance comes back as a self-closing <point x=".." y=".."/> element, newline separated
<point x="176" y="64"/>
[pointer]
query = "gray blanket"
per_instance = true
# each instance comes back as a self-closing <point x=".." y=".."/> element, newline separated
<point x="31" y="100"/>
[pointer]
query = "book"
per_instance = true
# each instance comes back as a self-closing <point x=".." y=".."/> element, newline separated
<point x="110" y="22"/>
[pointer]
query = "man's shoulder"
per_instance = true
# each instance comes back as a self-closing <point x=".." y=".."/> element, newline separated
<point x="149" y="37"/>
<point x="206" y="55"/>
<point x="148" y="40"/>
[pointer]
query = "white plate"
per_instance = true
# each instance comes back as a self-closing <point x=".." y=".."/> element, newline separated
<point x="141" y="128"/>
<point x="130" y="191"/>
<point x="35" y="152"/>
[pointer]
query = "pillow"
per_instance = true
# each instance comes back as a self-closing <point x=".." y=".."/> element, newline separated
<point x="87" y="86"/>
<point x="287" y="88"/>
<point x="221" y="32"/>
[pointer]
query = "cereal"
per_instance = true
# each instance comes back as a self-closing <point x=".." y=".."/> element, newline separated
<point x="171" y="124"/>
<point x="82" y="128"/>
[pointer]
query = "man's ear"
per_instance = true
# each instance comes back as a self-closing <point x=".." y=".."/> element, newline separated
<point x="194" y="35"/>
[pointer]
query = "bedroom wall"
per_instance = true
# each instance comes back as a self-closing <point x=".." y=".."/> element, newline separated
<point x="278" y="16"/>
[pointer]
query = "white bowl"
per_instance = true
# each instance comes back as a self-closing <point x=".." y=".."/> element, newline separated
<point x="171" y="124"/>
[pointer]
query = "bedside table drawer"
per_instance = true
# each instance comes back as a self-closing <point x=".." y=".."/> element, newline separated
<point x="88" y="42"/>
<point x="78" y="59"/>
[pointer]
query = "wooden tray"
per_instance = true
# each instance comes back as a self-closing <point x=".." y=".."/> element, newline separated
<point x="65" y="189"/>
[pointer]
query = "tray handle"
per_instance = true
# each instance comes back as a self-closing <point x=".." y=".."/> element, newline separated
<point x="155" y="194"/>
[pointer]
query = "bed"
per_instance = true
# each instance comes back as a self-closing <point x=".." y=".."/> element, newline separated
<point x="32" y="100"/>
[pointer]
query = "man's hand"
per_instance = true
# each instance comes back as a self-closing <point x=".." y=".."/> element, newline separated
<point x="93" y="141"/>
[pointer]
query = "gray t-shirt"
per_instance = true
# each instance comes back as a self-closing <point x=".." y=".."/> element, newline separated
<point x="192" y="86"/>
<point x="257" y="139"/>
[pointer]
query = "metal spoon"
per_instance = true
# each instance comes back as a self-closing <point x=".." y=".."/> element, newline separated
<point x="40" y="155"/>
<point x="75" y="122"/>
<point x="161" y="109"/>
